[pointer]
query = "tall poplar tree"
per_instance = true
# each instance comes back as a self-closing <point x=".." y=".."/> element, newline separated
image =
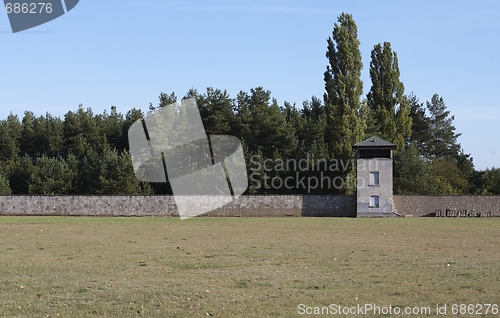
<point x="389" y="106"/>
<point x="343" y="87"/>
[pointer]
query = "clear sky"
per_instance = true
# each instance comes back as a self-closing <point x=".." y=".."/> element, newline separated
<point x="126" y="52"/>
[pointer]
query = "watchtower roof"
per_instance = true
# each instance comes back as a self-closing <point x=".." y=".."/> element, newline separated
<point x="374" y="143"/>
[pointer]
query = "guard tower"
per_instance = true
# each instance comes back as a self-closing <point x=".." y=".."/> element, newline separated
<point x="374" y="177"/>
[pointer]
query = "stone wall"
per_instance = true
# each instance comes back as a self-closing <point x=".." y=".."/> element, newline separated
<point x="290" y="205"/>
<point x="448" y="205"/>
<point x="260" y="205"/>
<point x="88" y="205"/>
<point x="255" y="205"/>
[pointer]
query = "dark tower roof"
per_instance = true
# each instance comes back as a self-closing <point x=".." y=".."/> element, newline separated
<point x="374" y="143"/>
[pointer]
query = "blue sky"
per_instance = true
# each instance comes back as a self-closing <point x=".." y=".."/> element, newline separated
<point x="124" y="53"/>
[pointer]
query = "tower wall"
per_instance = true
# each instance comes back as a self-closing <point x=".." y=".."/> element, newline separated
<point x="374" y="200"/>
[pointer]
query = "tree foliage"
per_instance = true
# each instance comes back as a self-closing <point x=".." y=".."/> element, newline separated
<point x="412" y="173"/>
<point x="343" y="88"/>
<point x="443" y="139"/>
<point x="389" y="106"/>
<point x="4" y="186"/>
<point x="88" y="153"/>
<point x="491" y="181"/>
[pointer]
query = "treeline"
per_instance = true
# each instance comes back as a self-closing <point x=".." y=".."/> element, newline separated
<point x="82" y="153"/>
<point x="87" y="153"/>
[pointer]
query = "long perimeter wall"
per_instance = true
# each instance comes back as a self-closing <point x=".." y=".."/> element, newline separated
<point x="259" y="205"/>
<point x="158" y="205"/>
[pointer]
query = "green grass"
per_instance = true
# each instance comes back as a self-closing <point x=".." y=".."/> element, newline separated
<point x="241" y="267"/>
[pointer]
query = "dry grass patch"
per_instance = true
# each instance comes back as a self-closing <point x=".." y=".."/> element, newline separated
<point x="241" y="267"/>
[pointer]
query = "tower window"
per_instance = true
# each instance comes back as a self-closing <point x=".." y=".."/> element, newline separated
<point x="374" y="201"/>
<point x="374" y="178"/>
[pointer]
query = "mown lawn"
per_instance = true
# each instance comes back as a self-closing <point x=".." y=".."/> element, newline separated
<point x="242" y="267"/>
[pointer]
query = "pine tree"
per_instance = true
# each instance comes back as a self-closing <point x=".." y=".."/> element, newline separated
<point x="255" y="170"/>
<point x="131" y="117"/>
<point x="80" y="131"/>
<point x="165" y="100"/>
<point x="112" y="124"/>
<point x="19" y="172"/>
<point x="8" y="146"/>
<point x="51" y="176"/>
<point x="420" y="128"/>
<point x="15" y="129"/>
<point x="217" y="112"/>
<point x="89" y="172"/>
<point x="443" y="139"/>
<point x="491" y="181"/>
<point x="116" y="175"/>
<point x="262" y="125"/>
<point x="412" y="173"/>
<point x="465" y="164"/>
<point x="4" y="186"/>
<point x="389" y="106"/>
<point x="54" y="137"/>
<point x="28" y="140"/>
<point x="311" y="131"/>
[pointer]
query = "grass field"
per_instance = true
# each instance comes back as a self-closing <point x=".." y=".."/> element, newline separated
<point x="242" y="267"/>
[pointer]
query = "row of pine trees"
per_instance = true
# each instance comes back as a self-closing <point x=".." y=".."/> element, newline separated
<point x="87" y="153"/>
